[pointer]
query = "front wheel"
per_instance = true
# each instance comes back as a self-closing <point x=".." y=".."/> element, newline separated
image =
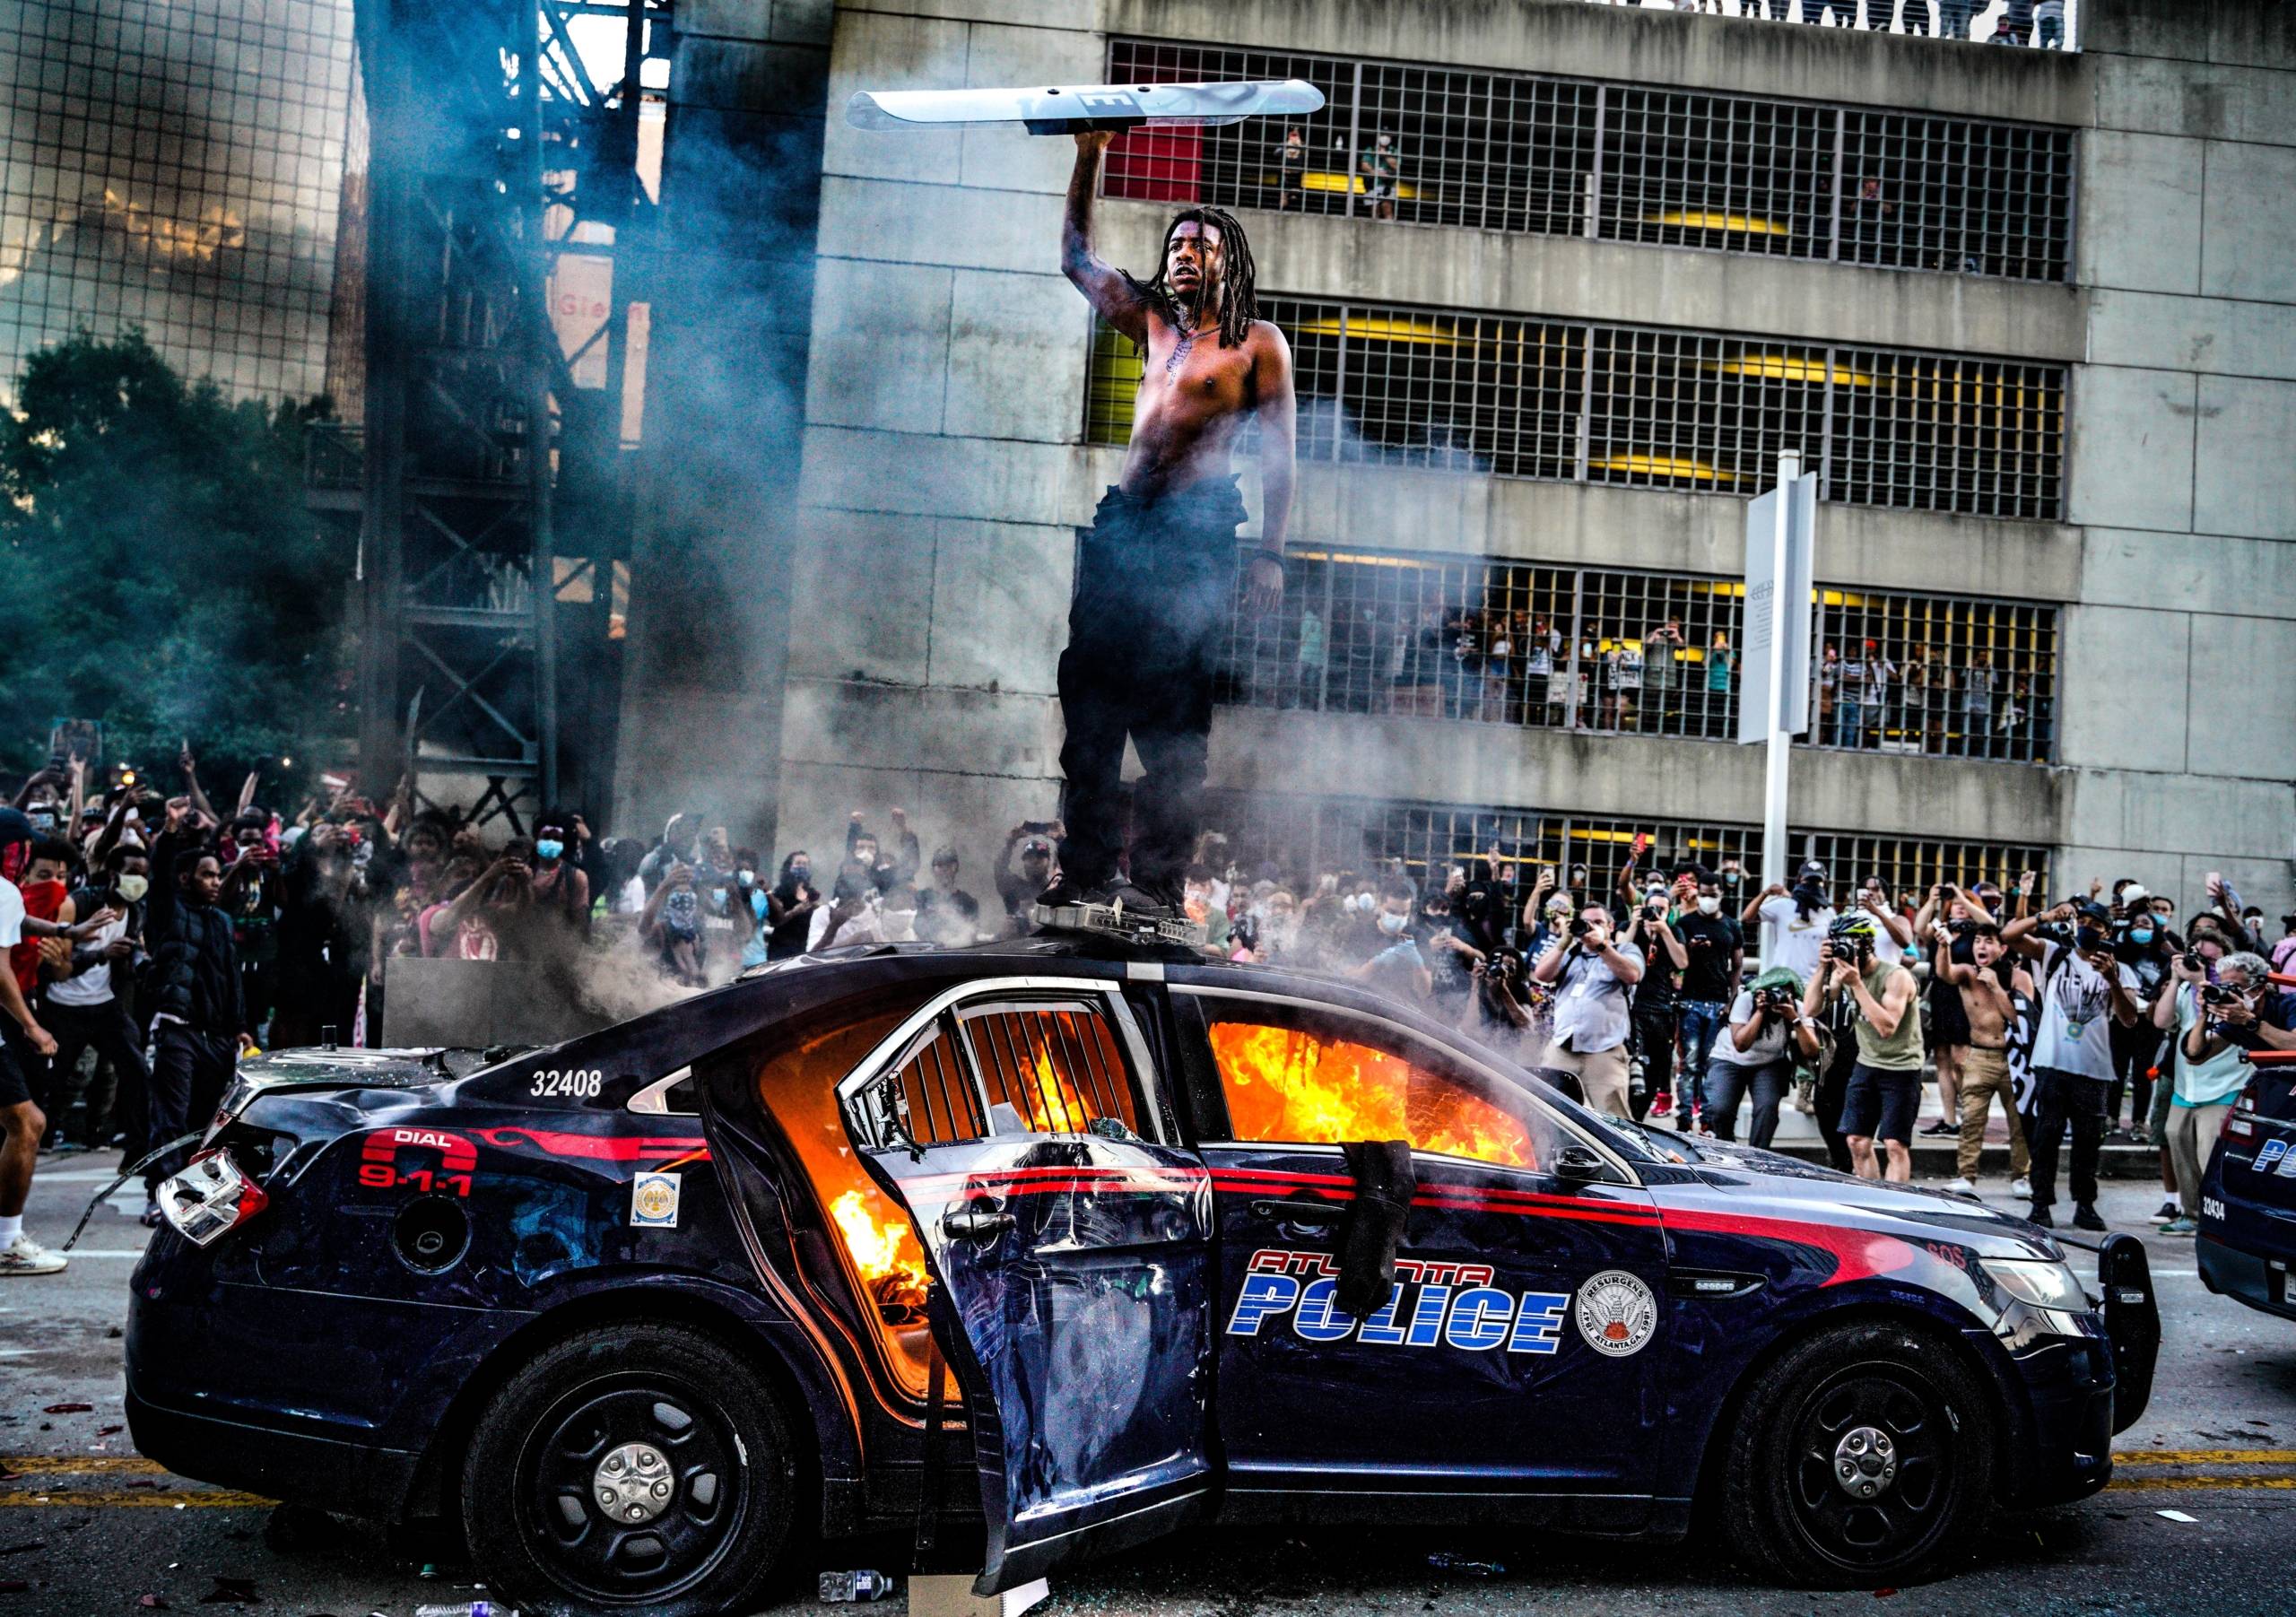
<point x="634" y="1467"/>
<point x="1861" y="1457"/>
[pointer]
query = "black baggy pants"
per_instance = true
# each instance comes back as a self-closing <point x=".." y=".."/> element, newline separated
<point x="2061" y="1098"/>
<point x="1155" y="589"/>
<point x="104" y="1028"/>
<point x="190" y="1071"/>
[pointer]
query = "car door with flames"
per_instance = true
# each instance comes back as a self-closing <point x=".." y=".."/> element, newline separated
<point x="1516" y="1350"/>
<point x="1068" y="1237"/>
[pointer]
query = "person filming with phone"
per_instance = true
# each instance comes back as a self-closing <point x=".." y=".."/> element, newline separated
<point x="1591" y="972"/>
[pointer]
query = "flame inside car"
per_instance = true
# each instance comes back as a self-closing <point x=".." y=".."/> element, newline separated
<point x="1287" y="1085"/>
<point x="884" y="1253"/>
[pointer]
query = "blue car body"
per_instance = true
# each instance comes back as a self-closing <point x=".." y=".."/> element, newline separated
<point x="1140" y="1320"/>
<point x="2247" y="1243"/>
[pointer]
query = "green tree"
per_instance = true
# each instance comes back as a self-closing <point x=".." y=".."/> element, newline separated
<point x="157" y="568"/>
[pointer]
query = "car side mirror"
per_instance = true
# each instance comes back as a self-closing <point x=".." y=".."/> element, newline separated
<point x="1576" y="1165"/>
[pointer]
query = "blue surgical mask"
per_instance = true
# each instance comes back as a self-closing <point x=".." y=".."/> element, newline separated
<point x="548" y="848"/>
<point x="2140" y="935"/>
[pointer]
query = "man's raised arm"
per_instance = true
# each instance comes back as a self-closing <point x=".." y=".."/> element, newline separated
<point x="1105" y="287"/>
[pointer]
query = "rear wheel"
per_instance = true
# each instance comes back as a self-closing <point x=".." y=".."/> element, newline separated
<point x="1862" y="1457"/>
<point x="630" y="1468"/>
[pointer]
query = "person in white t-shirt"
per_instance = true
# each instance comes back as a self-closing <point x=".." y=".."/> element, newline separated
<point x="1793" y="921"/>
<point x="2084" y="991"/>
<point x="22" y="1041"/>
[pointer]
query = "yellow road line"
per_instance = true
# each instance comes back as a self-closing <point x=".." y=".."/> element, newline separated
<point x="2207" y="1456"/>
<point x="68" y="1499"/>
<point x="2144" y="1484"/>
<point x="41" y="1464"/>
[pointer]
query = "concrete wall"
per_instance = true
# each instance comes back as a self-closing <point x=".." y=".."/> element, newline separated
<point x="2178" y="736"/>
<point x="944" y="472"/>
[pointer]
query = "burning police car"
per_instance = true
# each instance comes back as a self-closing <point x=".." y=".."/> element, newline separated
<point x="1079" y="1242"/>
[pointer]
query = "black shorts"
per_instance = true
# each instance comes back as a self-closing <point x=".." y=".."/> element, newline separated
<point x="13" y="1089"/>
<point x="1881" y="1104"/>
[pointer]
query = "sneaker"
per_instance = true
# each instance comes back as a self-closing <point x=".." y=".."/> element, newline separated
<point x="2021" y="1189"/>
<point x="1661" y="1104"/>
<point x="1939" y="1127"/>
<point x="2169" y="1210"/>
<point x="2039" y="1215"/>
<point x="25" y="1256"/>
<point x="2084" y="1217"/>
<point x="2180" y="1225"/>
<point x="1961" y="1187"/>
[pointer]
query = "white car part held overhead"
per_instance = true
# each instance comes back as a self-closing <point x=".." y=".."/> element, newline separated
<point x="1068" y="109"/>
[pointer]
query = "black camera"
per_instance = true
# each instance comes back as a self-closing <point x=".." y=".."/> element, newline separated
<point x="1507" y="964"/>
<point x="1776" y="997"/>
<point x="1580" y="925"/>
<point x="2218" y="994"/>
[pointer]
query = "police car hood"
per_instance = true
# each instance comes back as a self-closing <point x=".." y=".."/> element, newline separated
<point x="1770" y="1185"/>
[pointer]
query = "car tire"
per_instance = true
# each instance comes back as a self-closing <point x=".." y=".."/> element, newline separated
<point x="1860" y="1458"/>
<point x="669" y="1425"/>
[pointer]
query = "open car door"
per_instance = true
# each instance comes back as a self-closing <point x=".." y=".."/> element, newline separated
<point x="1018" y="1123"/>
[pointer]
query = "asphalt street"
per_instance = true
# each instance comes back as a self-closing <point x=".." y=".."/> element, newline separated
<point x="88" y="1526"/>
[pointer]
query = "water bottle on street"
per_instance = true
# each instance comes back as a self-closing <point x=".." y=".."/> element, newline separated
<point x="839" y="1587"/>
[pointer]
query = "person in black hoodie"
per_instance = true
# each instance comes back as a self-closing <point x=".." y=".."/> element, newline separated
<point x="199" y="1020"/>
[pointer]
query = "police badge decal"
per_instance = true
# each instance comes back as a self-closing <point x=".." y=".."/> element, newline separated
<point x="1617" y="1313"/>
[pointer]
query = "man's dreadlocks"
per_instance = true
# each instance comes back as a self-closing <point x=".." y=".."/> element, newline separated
<point x="1239" y="300"/>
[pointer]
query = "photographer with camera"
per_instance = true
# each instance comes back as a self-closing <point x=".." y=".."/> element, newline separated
<point x="1883" y="1095"/>
<point x="1397" y="968"/>
<point x="2083" y="990"/>
<point x="1767" y="1028"/>
<point x="1987" y="984"/>
<point x="1654" y="1011"/>
<point x="1502" y="1011"/>
<point x="1591" y="973"/>
<point x="2217" y="1022"/>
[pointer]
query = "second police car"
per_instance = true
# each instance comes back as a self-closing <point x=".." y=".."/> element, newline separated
<point x="1062" y="1244"/>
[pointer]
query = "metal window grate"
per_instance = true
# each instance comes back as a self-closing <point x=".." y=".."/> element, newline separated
<point x="1297" y="839"/>
<point x="1535" y="154"/>
<point x="1495" y="641"/>
<point x="1057" y="1068"/>
<point x="939" y="1093"/>
<point x="1708" y="413"/>
<point x="1935" y="675"/>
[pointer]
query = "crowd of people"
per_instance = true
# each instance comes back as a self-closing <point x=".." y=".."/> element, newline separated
<point x="2037" y="23"/>
<point x="154" y="939"/>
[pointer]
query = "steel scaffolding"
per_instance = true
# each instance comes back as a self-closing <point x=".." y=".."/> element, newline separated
<point x="493" y="495"/>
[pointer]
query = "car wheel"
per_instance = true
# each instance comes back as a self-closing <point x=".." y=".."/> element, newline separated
<point x="1860" y="1458"/>
<point x="637" y="1466"/>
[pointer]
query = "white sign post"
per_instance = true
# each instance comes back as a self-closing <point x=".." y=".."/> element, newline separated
<point x="1774" y="661"/>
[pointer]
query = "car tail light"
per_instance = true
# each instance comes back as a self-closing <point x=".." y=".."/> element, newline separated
<point x="2241" y="1123"/>
<point x="211" y="1198"/>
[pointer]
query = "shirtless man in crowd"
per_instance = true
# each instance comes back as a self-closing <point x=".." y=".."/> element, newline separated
<point x="1990" y="986"/>
<point x="1156" y="577"/>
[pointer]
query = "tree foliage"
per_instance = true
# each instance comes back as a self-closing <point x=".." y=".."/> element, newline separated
<point x="157" y="568"/>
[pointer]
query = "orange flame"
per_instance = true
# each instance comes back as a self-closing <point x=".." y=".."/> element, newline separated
<point x="1288" y="1085"/>
<point x="882" y="1252"/>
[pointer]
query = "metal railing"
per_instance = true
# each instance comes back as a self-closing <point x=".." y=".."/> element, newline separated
<point x="1701" y="412"/>
<point x="1542" y="155"/>
<point x="2032" y="24"/>
<point x="1480" y="641"/>
<point x="1298" y="839"/>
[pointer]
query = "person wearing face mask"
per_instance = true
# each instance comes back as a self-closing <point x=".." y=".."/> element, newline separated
<point x="1396" y="966"/>
<point x="1591" y="972"/>
<point x="561" y="889"/>
<point x="88" y="1009"/>
<point x="790" y="907"/>
<point x="1796" y="919"/>
<point x="2140" y="944"/>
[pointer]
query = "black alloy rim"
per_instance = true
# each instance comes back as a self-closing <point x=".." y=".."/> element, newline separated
<point x="631" y="1562"/>
<point x="1902" y="1520"/>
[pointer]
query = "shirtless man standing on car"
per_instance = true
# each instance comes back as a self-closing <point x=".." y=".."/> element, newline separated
<point x="1156" y="576"/>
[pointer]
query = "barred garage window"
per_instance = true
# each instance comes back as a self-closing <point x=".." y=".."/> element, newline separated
<point x="1696" y="412"/>
<point x="1505" y="642"/>
<point x="1302" y="837"/>
<point x="1545" y="155"/>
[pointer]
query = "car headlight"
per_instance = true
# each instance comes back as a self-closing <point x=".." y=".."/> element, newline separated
<point x="2042" y="1284"/>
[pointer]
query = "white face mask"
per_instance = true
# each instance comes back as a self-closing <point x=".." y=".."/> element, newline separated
<point x="1708" y="904"/>
<point x="1390" y="922"/>
<point x="132" y="888"/>
<point x="748" y="877"/>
